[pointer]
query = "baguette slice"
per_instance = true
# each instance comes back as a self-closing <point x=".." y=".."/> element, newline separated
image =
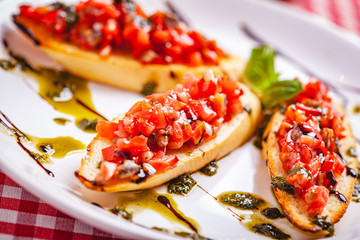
<point x="118" y="70"/>
<point x="295" y="208"/>
<point x="230" y="136"/>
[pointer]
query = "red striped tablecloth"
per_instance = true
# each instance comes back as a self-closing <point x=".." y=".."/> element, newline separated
<point x="24" y="216"/>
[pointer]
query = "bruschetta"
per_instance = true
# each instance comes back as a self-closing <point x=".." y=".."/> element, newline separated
<point x="306" y="149"/>
<point x="170" y="134"/>
<point x="116" y="43"/>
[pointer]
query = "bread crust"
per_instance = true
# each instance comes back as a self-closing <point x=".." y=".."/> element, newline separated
<point x="295" y="208"/>
<point x="119" y="70"/>
<point x="230" y="136"/>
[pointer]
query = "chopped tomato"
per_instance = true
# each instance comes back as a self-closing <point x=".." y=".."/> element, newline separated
<point x="219" y="104"/>
<point x="310" y="141"/>
<point x="284" y="128"/>
<point x="176" y="138"/>
<point x="107" y="129"/>
<point x="234" y="106"/>
<point x="162" y="162"/>
<point x="310" y="133"/>
<point x="203" y="110"/>
<point x="195" y="59"/>
<point x="337" y="127"/>
<point x="314" y="166"/>
<point x="199" y="130"/>
<point x="328" y="137"/>
<point x="165" y="121"/>
<point x="295" y="114"/>
<point x="123" y="26"/>
<point x="135" y="145"/>
<point x="339" y="165"/>
<point x="316" y="197"/>
<point x="111" y="154"/>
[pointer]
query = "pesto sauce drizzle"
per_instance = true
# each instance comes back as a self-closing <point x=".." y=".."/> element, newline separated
<point x="121" y="212"/>
<point x="255" y="221"/>
<point x="325" y="225"/>
<point x="210" y="169"/>
<point x="241" y="200"/>
<point x="181" y="185"/>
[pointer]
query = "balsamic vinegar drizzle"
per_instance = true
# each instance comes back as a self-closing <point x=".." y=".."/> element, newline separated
<point x="339" y="196"/>
<point x="164" y="201"/>
<point x="20" y="135"/>
<point x="57" y="147"/>
<point x="160" y="203"/>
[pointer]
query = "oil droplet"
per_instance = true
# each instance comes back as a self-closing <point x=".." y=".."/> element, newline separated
<point x="57" y="147"/>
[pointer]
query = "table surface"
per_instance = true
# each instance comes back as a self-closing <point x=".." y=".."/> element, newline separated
<point x="23" y="215"/>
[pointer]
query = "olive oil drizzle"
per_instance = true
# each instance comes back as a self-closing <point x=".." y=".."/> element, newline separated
<point x="91" y="109"/>
<point x="18" y="136"/>
<point x="64" y="92"/>
<point x="57" y="147"/>
<point x="160" y="203"/>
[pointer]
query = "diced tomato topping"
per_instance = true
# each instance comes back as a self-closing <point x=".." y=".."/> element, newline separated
<point x="162" y="162"/>
<point x="111" y="154"/>
<point x="339" y="165"/>
<point x="123" y="26"/>
<point x="316" y="197"/>
<point x="169" y="121"/>
<point x="199" y="130"/>
<point x="135" y="145"/>
<point x="308" y="142"/>
<point x="299" y="177"/>
<point x="107" y="129"/>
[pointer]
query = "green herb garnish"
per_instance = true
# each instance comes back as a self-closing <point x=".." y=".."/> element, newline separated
<point x="280" y="91"/>
<point x="260" y="74"/>
<point x="260" y="70"/>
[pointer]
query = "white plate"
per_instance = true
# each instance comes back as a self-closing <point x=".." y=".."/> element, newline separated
<point x="319" y="46"/>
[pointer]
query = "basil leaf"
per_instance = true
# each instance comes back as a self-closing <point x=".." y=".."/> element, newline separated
<point x="260" y="70"/>
<point x="280" y="91"/>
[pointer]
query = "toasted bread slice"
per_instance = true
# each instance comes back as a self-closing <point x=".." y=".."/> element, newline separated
<point x="295" y="208"/>
<point x="120" y="70"/>
<point x="230" y="136"/>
